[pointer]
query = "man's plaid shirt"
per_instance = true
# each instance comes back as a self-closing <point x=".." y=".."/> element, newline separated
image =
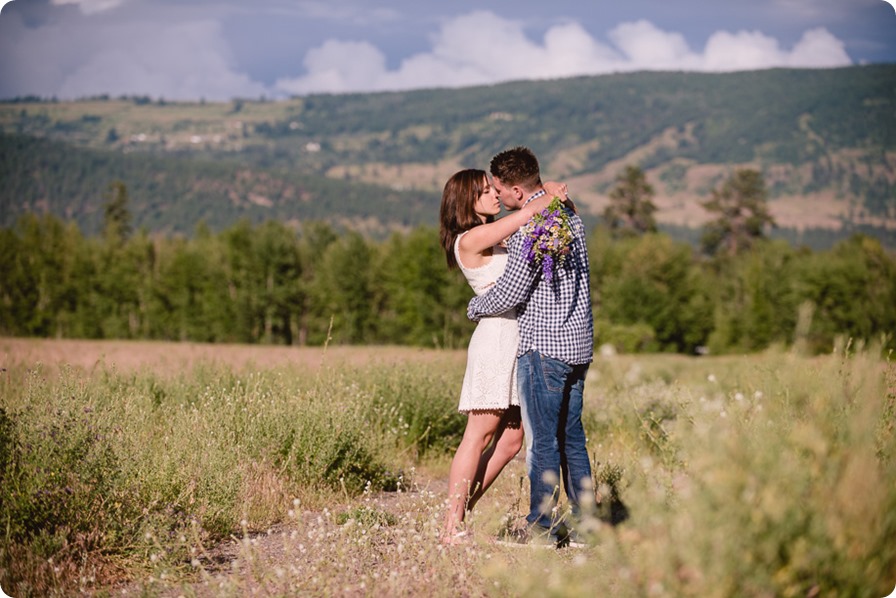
<point x="554" y="318"/>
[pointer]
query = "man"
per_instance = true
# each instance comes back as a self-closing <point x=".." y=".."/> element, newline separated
<point x="556" y="347"/>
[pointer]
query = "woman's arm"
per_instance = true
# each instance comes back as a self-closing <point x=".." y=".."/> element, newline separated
<point x="484" y="236"/>
<point x="511" y="289"/>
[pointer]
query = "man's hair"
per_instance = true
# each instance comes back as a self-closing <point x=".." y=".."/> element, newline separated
<point x="517" y="167"/>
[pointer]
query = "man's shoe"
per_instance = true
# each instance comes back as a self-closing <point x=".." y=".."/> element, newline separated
<point x="570" y="542"/>
<point x="533" y="536"/>
<point x="567" y="538"/>
<point x="537" y="536"/>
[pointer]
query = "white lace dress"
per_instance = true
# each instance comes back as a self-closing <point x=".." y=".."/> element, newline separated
<point x="490" y="378"/>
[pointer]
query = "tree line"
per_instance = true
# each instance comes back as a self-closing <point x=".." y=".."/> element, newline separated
<point x="268" y="283"/>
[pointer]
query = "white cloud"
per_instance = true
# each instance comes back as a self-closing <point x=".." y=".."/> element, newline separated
<point x="818" y="48"/>
<point x="743" y="50"/>
<point x="569" y="50"/>
<point x="187" y="60"/>
<point x="91" y="6"/>
<point x="115" y="53"/>
<point x="473" y="49"/>
<point x="180" y="61"/>
<point x="338" y="66"/>
<point x="648" y="47"/>
<point x="482" y="48"/>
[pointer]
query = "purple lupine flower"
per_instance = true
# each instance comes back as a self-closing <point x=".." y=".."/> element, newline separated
<point x="547" y="237"/>
<point x="547" y="267"/>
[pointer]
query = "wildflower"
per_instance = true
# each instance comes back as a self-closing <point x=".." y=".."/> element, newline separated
<point x="547" y="238"/>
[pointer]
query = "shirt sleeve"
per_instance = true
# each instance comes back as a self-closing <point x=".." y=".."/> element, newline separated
<point x="511" y="289"/>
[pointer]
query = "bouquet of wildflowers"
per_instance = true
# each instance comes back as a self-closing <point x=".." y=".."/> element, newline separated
<point x="547" y="238"/>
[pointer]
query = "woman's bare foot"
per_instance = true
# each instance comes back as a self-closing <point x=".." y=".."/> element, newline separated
<point x="455" y="538"/>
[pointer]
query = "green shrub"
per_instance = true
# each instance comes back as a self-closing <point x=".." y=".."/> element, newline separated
<point x="419" y="411"/>
<point x="626" y="338"/>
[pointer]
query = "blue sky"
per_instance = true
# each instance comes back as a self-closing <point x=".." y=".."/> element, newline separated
<point x="221" y="49"/>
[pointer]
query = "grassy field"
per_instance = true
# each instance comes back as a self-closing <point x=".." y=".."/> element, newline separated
<point x="179" y="469"/>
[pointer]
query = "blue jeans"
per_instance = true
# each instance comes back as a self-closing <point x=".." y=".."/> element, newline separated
<point x="551" y="401"/>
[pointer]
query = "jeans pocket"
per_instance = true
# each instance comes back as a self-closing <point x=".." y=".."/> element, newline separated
<point x="555" y="373"/>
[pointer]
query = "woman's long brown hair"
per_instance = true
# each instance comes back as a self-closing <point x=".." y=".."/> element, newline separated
<point x="457" y="212"/>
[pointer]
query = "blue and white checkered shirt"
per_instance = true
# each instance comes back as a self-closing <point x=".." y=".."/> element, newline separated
<point x="554" y="317"/>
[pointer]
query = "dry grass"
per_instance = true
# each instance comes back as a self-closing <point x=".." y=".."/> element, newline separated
<point x="174" y="358"/>
<point x="760" y="475"/>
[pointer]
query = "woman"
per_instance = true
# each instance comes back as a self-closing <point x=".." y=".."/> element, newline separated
<point x="472" y="240"/>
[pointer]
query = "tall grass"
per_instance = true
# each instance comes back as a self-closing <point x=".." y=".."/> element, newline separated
<point x="769" y="475"/>
<point x="764" y="475"/>
<point x="105" y="471"/>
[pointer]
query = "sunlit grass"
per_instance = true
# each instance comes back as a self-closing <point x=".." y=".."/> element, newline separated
<point x="762" y="475"/>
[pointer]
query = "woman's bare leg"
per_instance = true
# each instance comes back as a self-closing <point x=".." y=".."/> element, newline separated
<point x="481" y="428"/>
<point x="491" y="440"/>
<point x="507" y="443"/>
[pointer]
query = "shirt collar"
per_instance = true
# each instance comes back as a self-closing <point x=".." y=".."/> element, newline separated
<point x="535" y="195"/>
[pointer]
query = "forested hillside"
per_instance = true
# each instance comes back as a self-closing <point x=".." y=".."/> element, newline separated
<point x="170" y="194"/>
<point x="824" y="140"/>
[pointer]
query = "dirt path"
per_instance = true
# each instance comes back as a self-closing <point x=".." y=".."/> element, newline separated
<point x="260" y="563"/>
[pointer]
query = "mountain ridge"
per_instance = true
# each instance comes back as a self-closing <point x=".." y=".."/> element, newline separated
<point x="825" y="141"/>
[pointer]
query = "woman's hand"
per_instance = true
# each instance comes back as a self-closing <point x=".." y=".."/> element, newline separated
<point x="555" y="189"/>
<point x="552" y="189"/>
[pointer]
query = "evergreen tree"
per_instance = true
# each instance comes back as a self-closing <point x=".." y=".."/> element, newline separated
<point x="141" y="254"/>
<point x="420" y="298"/>
<point x="631" y="204"/>
<point x="276" y="254"/>
<point x="342" y="292"/>
<point x="741" y="207"/>
<point x="311" y="322"/>
<point x="243" y="279"/>
<point x="116" y="215"/>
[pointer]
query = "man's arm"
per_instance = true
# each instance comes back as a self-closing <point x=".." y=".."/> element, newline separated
<point x="513" y="288"/>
